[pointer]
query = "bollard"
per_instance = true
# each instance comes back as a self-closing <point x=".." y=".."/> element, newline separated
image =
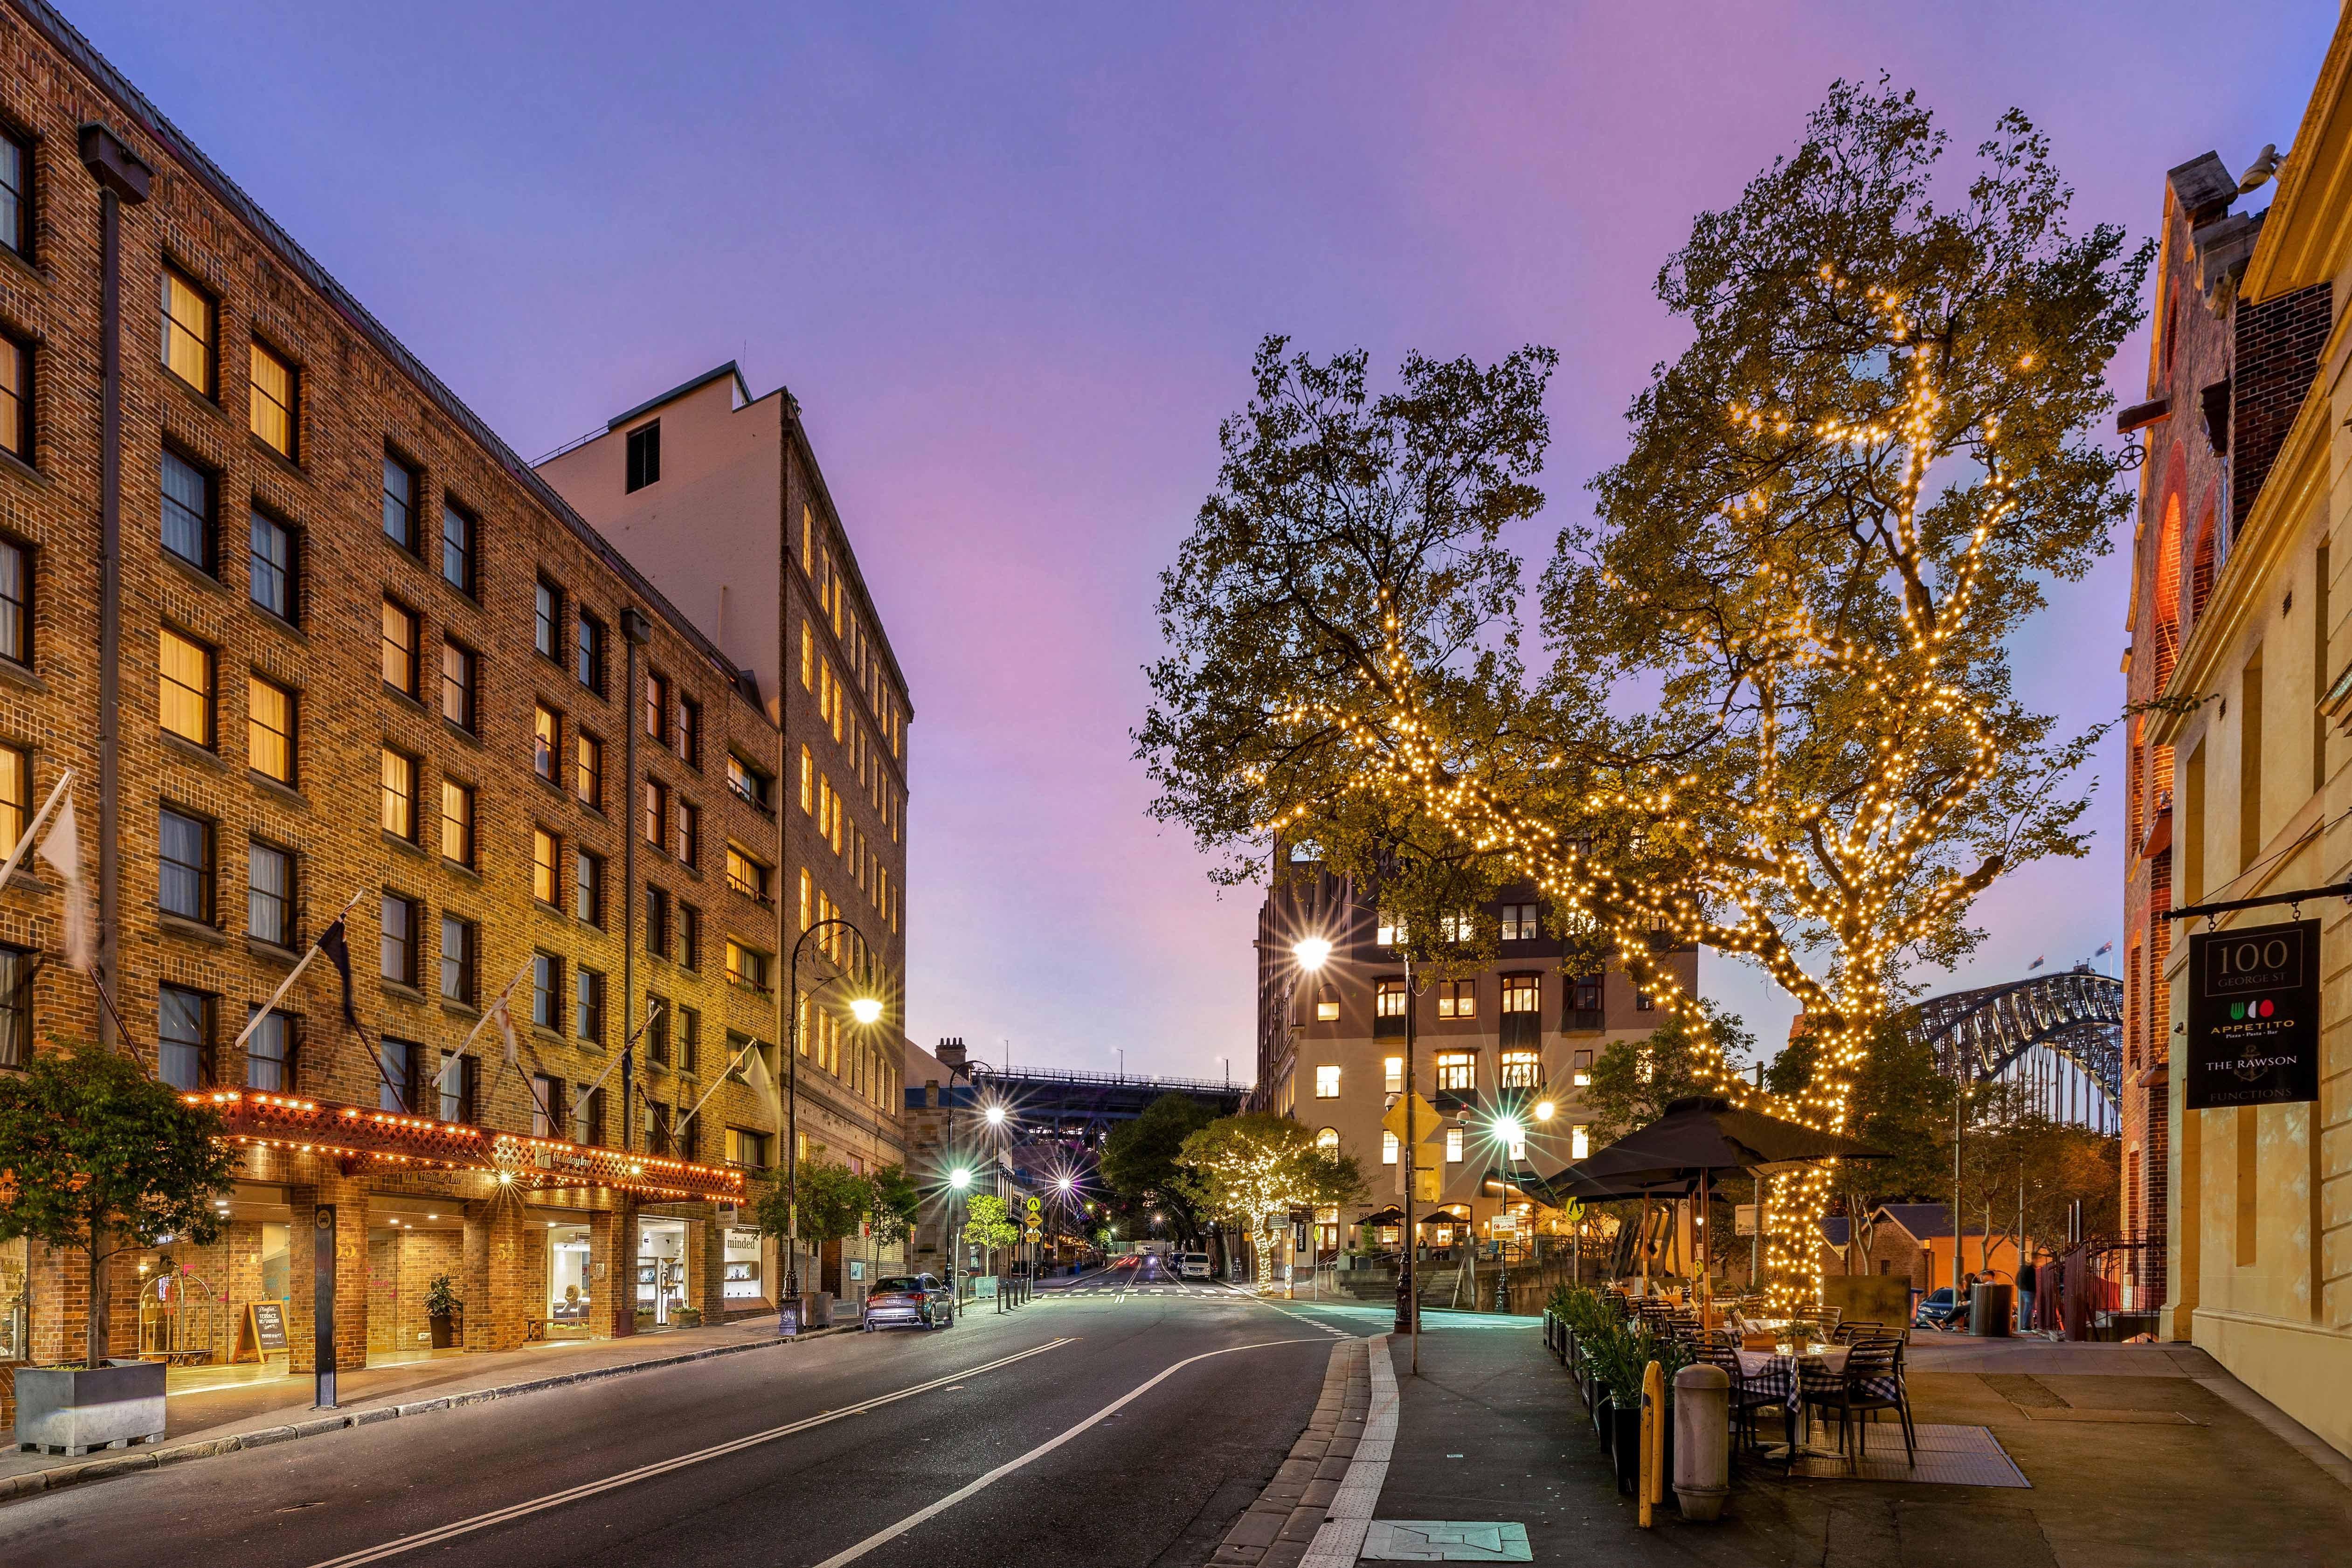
<point x="1702" y="1441"/>
<point x="1650" y="1481"/>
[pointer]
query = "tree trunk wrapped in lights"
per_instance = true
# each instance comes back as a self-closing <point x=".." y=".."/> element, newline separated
<point x="1773" y="713"/>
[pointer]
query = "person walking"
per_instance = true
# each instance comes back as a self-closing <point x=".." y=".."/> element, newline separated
<point x="2027" y="1276"/>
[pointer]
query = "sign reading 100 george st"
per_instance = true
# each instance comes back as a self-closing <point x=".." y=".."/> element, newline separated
<point x="2253" y="1017"/>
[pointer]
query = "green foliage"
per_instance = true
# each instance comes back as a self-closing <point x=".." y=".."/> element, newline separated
<point x="988" y="1223"/>
<point x="1139" y="1159"/>
<point x="99" y="1158"/>
<point x="1635" y="1080"/>
<point x="833" y="1202"/>
<point x="1255" y="1169"/>
<point x="441" y="1298"/>
<point x="894" y="1202"/>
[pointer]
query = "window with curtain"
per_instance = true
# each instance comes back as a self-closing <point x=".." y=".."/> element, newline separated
<point x="273" y="408"/>
<point x="269" y="565"/>
<point x="184" y="1036"/>
<point x="270" y="1055"/>
<point x="187" y="330"/>
<point x="187" y="511"/>
<point x="184" y="697"/>
<point x="269" y="894"/>
<point x="269" y="729"/>
<point x="184" y="865"/>
<point x="400" y="483"/>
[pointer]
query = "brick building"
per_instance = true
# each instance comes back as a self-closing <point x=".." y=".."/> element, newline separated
<point x="363" y="658"/>
<point x="1520" y="1033"/>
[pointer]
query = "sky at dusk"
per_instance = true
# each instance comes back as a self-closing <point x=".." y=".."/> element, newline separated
<point x="1013" y="263"/>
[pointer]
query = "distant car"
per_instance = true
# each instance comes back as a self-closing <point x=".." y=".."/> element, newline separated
<point x="921" y="1300"/>
<point x="1938" y="1310"/>
<point x="1193" y="1266"/>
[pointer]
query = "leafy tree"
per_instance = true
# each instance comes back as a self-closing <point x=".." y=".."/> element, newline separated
<point x="1140" y="1161"/>
<point x="988" y="1223"/>
<point x="1635" y="1080"/>
<point x="894" y="1202"/>
<point x="1774" y="713"/>
<point x="99" y="1158"/>
<point x="833" y="1201"/>
<point x="2013" y="1153"/>
<point x="1903" y="1105"/>
<point x="1254" y="1170"/>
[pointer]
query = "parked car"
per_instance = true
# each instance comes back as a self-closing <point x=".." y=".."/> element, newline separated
<point x="1193" y="1266"/>
<point x="1939" y="1309"/>
<point x="921" y="1300"/>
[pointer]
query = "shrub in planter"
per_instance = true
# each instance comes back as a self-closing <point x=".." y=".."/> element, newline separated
<point x="686" y="1317"/>
<point x="441" y="1309"/>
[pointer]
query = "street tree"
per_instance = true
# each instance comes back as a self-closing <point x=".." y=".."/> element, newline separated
<point x="1634" y="1080"/>
<point x="1902" y="1104"/>
<point x="987" y="1223"/>
<point x="894" y="1200"/>
<point x="1774" y="711"/>
<point x="1253" y="1170"/>
<point x="834" y="1200"/>
<point x="98" y="1158"/>
<point x="1140" y="1162"/>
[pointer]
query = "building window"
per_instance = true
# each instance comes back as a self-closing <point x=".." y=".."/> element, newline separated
<point x="17" y="967"/>
<point x="546" y="739"/>
<point x="459" y="666"/>
<point x="1580" y="1143"/>
<point x="1643" y="1002"/>
<point x="547" y="991"/>
<point x="456" y="1083"/>
<point x="395" y="1089"/>
<point x="687" y="736"/>
<point x="547" y="617"/>
<point x="399" y="795"/>
<point x="689" y="935"/>
<point x="655" y="808"/>
<point x="184" y="885"/>
<point x="1390" y="931"/>
<point x="1582" y="1070"/>
<point x="1326" y="1009"/>
<point x="269" y="729"/>
<point x="458" y="529"/>
<point x="269" y="566"/>
<point x="1457" y="1071"/>
<point x="1520" y="993"/>
<point x="656" y="709"/>
<point x="588" y="1007"/>
<point x="688" y="822"/>
<point x="273" y="404"/>
<point x="544" y="882"/>
<point x="645" y="455"/>
<point x="747" y="1148"/>
<point x="1392" y="1075"/>
<point x="1327" y="1082"/>
<point x="1457" y="998"/>
<point x="458" y="940"/>
<point x="16" y="398"/>
<point x="1392" y="1147"/>
<point x="546" y="1105"/>
<point x="588" y="887"/>
<point x="588" y="770"/>
<point x="396" y="953"/>
<point x="187" y="341"/>
<point x="1519" y="923"/>
<point x="689" y="1041"/>
<point x="400" y="648"/>
<point x="751" y="785"/>
<point x="656" y="920"/>
<point x="184" y="1035"/>
<point x="457" y="823"/>
<point x="16" y="194"/>
<point x="270" y="1055"/>
<point x="588" y="653"/>
<point x="747" y="965"/>
<point x="1522" y="1070"/>
<point x="185" y="687"/>
<point x="188" y="512"/>
<point x="1327" y="1140"/>
<point x="748" y="877"/>
<point x="15" y="795"/>
<point x="400" y="487"/>
<point x="1388" y="999"/>
<point x="1454" y="1145"/>
<point x="657" y="1029"/>
<point x="269" y="894"/>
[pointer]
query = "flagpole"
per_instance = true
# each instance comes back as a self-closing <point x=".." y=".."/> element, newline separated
<point x="33" y="827"/>
<point x="580" y="1100"/>
<point x="714" y="1089"/>
<point x="287" y="984"/>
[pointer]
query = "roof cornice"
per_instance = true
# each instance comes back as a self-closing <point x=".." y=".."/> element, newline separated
<point x="2309" y="228"/>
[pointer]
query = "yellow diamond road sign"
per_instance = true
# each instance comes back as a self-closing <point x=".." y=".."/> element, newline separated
<point x="1426" y="1123"/>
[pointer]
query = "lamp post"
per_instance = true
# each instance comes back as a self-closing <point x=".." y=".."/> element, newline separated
<point x="957" y="1180"/>
<point x="1308" y="955"/>
<point x="865" y="1009"/>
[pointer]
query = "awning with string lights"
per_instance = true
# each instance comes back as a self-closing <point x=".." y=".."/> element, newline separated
<point x="385" y="1140"/>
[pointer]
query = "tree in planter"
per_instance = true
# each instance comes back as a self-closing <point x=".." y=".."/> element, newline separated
<point x="1255" y="1169"/>
<point x="99" y="1158"/>
<point x="442" y="1307"/>
<point x="893" y="1201"/>
<point x="1776" y="713"/>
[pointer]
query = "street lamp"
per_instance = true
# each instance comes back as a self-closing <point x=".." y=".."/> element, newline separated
<point x="865" y="1008"/>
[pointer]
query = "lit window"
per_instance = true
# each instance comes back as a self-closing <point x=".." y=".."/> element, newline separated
<point x="747" y="877"/>
<point x="1457" y="998"/>
<point x="1393" y="1075"/>
<point x="656" y="709"/>
<point x="688" y="822"/>
<point x="1327" y="1010"/>
<point x="272" y="406"/>
<point x="749" y="783"/>
<point x="1583" y="1069"/>
<point x="1457" y="1071"/>
<point x="1521" y="1070"/>
<point x="588" y="774"/>
<point x="1457" y="927"/>
<point x="543" y="851"/>
<point x="399" y="795"/>
<point x="187" y="519"/>
<point x="269" y="566"/>
<point x="1327" y="1082"/>
<point x="15" y="795"/>
<point x="457" y="665"/>
<point x="1579" y="1144"/>
<point x="1519" y="923"/>
<point x="1327" y="1140"/>
<point x="1454" y="1145"/>
<point x="1520" y="993"/>
<point x="457" y="823"/>
<point x="654" y="809"/>
<point x="186" y="688"/>
<point x="399" y="503"/>
<point x="1391" y="1148"/>
<point x="269" y="729"/>
<point x="1391" y="932"/>
<point x="546" y="739"/>
<point x="15" y="395"/>
<point x="187" y="342"/>
<point x="399" y="654"/>
<point x="1387" y="1000"/>
<point x="747" y="965"/>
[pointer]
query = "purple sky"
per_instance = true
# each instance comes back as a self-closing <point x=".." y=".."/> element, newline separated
<point x="1013" y="263"/>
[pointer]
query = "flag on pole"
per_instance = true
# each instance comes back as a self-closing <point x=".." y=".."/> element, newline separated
<point x="762" y="1081"/>
<point x="2035" y="965"/>
<point x="506" y="1027"/>
<point x="339" y="952"/>
<point x="2104" y="948"/>
<point x="61" y="848"/>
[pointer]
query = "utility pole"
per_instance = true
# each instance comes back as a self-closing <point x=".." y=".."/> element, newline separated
<point x="1409" y="1285"/>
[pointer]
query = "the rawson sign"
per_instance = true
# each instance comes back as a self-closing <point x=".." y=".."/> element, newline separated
<point x="2253" y="1017"/>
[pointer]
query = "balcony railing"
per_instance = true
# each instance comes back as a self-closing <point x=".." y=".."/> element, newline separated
<point x="1583" y="1021"/>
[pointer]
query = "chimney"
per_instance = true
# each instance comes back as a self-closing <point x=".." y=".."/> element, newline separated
<point x="951" y="1053"/>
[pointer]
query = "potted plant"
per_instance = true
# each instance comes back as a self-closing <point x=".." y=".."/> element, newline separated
<point x="99" y="1158"/>
<point x="686" y="1317"/>
<point x="441" y="1309"/>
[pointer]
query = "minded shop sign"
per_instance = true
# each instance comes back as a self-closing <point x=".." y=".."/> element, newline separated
<point x="2253" y="1017"/>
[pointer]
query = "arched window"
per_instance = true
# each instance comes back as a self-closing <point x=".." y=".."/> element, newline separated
<point x="2166" y="609"/>
<point x="2200" y="569"/>
<point x="1328" y="1140"/>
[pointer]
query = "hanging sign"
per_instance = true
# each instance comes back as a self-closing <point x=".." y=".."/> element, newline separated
<point x="2253" y="1017"/>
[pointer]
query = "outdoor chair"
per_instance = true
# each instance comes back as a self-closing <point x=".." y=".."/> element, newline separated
<point x="1860" y="1328"/>
<point x="1872" y="1382"/>
<point x="1747" y="1396"/>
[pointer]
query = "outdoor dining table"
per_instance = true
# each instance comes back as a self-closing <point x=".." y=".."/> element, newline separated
<point x="1779" y="1371"/>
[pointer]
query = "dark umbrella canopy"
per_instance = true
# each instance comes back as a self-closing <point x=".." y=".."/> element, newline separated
<point x="1708" y="1133"/>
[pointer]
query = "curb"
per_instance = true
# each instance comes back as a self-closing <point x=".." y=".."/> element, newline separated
<point x="127" y="1461"/>
<point x="1278" y="1529"/>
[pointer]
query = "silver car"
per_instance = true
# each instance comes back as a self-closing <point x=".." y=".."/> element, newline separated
<point x="913" y="1300"/>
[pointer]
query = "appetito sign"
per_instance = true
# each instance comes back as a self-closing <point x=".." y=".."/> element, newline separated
<point x="2253" y="1017"/>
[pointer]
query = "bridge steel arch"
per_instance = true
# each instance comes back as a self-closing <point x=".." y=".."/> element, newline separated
<point x="2075" y="1014"/>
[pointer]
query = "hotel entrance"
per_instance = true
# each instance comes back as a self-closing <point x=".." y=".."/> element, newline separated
<point x="661" y="1272"/>
<point x="570" y="1290"/>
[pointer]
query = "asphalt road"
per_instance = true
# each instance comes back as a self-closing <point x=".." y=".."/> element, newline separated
<point x="1125" y="1418"/>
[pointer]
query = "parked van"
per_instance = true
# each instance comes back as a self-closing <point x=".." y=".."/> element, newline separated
<point x="1193" y="1266"/>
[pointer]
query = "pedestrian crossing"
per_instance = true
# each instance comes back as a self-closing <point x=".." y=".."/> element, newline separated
<point x="1117" y="1287"/>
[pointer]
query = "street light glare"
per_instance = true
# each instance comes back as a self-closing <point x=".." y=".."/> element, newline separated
<point x="1062" y="1182"/>
<point x="1509" y="1131"/>
<point x="995" y="1115"/>
<point x="865" y="1010"/>
<point x="1311" y="952"/>
<point x="1544" y="1109"/>
<point x="959" y="1178"/>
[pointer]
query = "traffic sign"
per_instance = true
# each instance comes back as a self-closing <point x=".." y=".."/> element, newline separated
<point x="1035" y="1234"/>
<point x="1425" y="1119"/>
<point x="1035" y="1203"/>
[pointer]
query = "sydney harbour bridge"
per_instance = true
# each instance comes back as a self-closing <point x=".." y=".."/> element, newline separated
<point x="2061" y="1032"/>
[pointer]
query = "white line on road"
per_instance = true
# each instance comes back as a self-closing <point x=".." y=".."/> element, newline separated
<point x="645" y="1472"/>
<point x="1048" y="1447"/>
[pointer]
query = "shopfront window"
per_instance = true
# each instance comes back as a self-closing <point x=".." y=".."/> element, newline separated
<point x="567" y="1280"/>
<point x="743" y="1260"/>
<point x="661" y="1270"/>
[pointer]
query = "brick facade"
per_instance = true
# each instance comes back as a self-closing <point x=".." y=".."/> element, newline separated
<point x="2276" y="354"/>
<point x="361" y="399"/>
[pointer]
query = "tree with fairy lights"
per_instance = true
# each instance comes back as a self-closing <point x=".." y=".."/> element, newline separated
<point x="1773" y="712"/>
<point x="1254" y="1170"/>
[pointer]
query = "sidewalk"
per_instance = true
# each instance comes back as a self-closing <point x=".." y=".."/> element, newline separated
<point x="2133" y="1455"/>
<point x="200" y="1422"/>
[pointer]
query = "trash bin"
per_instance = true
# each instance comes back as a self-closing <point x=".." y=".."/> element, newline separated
<point x="1992" y="1309"/>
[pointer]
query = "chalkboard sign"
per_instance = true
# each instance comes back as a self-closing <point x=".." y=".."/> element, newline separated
<point x="263" y="1332"/>
<point x="2253" y="1017"/>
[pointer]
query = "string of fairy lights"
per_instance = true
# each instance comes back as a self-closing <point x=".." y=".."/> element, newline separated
<point x="1852" y="877"/>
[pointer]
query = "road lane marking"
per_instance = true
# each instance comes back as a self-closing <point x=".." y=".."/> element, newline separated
<point x="893" y="1531"/>
<point x="646" y="1473"/>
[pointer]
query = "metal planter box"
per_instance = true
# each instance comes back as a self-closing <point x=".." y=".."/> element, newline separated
<point x="74" y="1409"/>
